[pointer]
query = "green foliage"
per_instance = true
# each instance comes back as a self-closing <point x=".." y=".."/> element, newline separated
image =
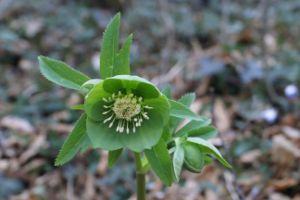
<point x="194" y="157"/>
<point x="124" y="111"/>
<point x="209" y="148"/>
<point x="61" y="73"/>
<point x="112" y="60"/>
<point x="122" y="63"/>
<point x="178" y="159"/>
<point x="179" y="110"/>
<point x="113" y="156"/>
<point x="74" y="142"/>
<point x="109" y="47"/>
<point x="160" y="161"/>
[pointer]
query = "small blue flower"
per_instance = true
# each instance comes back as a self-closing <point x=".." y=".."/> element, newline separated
<point x="270" y="115"/>
<point x="291" y="91"/>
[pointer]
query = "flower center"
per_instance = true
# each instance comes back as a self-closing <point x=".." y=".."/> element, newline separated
<point x="125" y="112"/>
<point x="126" y="107"/>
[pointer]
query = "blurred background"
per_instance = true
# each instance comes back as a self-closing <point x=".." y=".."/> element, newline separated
<point x="240" y="57"/>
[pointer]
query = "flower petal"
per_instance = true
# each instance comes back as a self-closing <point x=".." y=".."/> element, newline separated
<point x="102" y="136"/>
<point x="139" y="86"/>
<point x="94" y="103"/>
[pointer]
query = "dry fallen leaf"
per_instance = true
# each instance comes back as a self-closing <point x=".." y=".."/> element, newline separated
<point x="38" y="143"/>
<point x="250" y="156"/>
<point x="17" y="124"/>
<point x="222" y="117"/>
<point x="283" y="183"/>
<point x="291" y="132"/>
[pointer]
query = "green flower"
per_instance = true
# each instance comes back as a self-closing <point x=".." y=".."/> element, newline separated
<point x="125" y="111"/>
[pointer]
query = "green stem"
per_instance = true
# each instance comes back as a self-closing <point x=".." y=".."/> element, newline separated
<point x="140" y="178"/>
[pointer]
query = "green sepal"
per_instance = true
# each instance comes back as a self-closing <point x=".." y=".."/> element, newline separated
<point x="145" y="136"/>
<point x="127" y="83"/>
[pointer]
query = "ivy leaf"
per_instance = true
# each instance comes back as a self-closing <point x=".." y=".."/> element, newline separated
<point x="179" y="110"/>
<point x="109" y="47"/>
<point x="178" y="159"/>
<point x="113" y="156"/>
<point x="122" y="62"/>
<point x="61" y="73"/>
<point x="191" y="126"/>
<point x="209" y="148"/>
<point x="160" y="161"/>
<point x="74" y="142"/>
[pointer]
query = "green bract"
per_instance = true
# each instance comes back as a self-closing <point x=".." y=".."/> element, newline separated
<point x="125" y="111"/>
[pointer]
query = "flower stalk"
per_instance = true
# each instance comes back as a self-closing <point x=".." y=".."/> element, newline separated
<point x="140" y="178"/>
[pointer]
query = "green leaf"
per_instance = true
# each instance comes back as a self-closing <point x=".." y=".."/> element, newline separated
<point x="178" y="159"/>
<point x="179" y="110"/>
<point x="187" y="99"/>
<point x="209" y="148"/>
<point x="122" y="62"/>
<point x="113" y="156"/>
<point x="61" y="73"/>
<point x="167" y="92"/>
<point x="205" y="132"/>
<point x="109" y="47"/>
<point x="191" y="126"/>
<point x="160" y="161"/>
<point x="73" y="143"/>
<point x="85" y="145"/>
<point x="88" y="85"/>
<point x="78" y="107"/>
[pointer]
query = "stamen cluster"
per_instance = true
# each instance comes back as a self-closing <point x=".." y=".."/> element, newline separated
<point x="126" y="111"/>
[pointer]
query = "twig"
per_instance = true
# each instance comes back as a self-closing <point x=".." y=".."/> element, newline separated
<point x="165" y="78"/>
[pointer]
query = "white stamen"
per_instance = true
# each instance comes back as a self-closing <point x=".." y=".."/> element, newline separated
<point x="145" y="115"/>
<point x="112" y="123"/>
<point x="127" y="129"/>
<point x="108" y="119"/>
<point x="108" y="111"/>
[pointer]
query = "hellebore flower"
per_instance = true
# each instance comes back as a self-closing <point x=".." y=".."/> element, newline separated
<point x="125" y="111"/>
